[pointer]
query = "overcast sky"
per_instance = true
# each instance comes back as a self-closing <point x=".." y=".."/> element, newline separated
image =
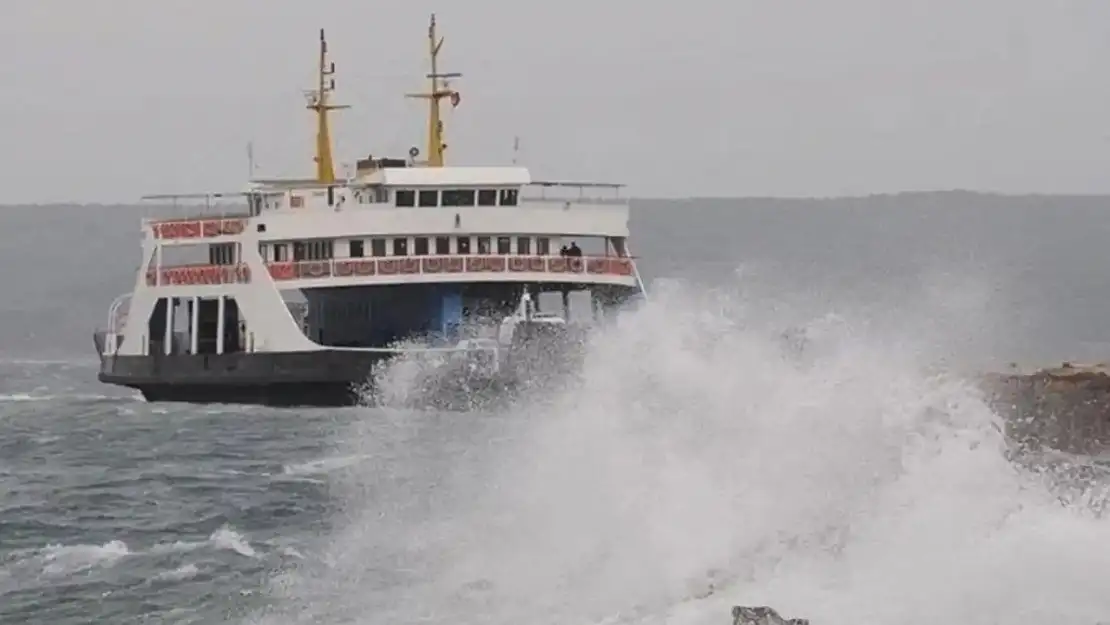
<point x="106" y="100"/>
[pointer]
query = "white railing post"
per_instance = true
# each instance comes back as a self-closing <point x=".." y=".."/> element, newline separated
<point x="220" y="309"/>
<point x="167" y="337"/>
<point x="194" y="326"/>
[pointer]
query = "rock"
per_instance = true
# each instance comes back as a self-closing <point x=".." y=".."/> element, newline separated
<point x="1066" y="408"/>
<point x="762" y="615"/>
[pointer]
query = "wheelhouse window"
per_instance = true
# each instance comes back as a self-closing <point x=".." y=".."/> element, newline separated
<point x="401" y="246"/>
<point x="504" y="245"/>
<point x="462" y="245"/>
<point x="420" y="246"/>
<point x="487" y="197"/>
<point x="483" y="245"/>
<point x="377" y="247"/>
<point x="543" y="246"/>
<point x="458" y="197"/>
<point x="372" y="195"/>
<point x="429" y="198"/>
<point x="356" y="248"/>
<point x="405" y="197"/>
<point x="524" y="245"/>
<point x="443" y="245"/>
<point x="509" y="197"/>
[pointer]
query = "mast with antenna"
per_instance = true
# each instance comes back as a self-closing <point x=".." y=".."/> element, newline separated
<point x="319" y="101"/>
<point x="440" y="89"/>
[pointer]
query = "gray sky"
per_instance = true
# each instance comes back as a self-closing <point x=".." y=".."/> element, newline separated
<point x="106" y="100"/>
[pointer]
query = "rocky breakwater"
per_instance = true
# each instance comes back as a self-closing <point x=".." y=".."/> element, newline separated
<point x="762" y="615"/>
<point x="1066" y="408"/>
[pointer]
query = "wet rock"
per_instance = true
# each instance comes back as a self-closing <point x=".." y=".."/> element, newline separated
<point x="762" y="615"/>
<point x="1066" y="408"/>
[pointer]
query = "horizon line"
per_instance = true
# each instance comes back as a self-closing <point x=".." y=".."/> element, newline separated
<point x="633" y="198"/>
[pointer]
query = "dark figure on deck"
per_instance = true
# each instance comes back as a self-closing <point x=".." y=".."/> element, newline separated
<point x="574" y="250"/>
<point x="563" y="251"/>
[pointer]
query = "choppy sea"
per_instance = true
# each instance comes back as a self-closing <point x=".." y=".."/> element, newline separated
<point x="693" y="466"/>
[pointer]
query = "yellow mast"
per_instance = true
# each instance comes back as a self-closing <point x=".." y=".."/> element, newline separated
<point x="319" y="101"/>
<point x="439" y="90"/>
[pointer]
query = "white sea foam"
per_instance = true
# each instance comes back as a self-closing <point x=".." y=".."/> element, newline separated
<point x="69" y="559"/>
<point x="225" y="538"/>
<point x="180" y="574"/>
<point x="699" y="464"/>
<point x="322" y="466"/>
<point x="28" y="567"/>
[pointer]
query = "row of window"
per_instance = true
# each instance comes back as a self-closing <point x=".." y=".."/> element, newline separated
<point x="317" y="249"/>
<point x="423" y="246"/>
<point x="401" y="197"/>
<point x="456" y="197"/>
<point x="324" y="249"/>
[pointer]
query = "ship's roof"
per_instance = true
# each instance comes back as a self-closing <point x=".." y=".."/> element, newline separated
<point x="416" y="177"/>
<point x="285" y="183"/>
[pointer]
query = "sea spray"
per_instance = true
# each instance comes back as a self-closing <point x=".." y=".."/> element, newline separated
<point x="695" y="464"/>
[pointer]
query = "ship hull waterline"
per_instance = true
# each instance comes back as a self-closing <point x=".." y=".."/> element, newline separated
<point x="318" y="378"/>
<point x="322" y="378"/>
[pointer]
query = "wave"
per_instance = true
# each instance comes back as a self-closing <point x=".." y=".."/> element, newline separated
<point x="80" y="397"/>
<point x="696" y="463"/>
<point x="27" y="567"/>
<point x="321" y="466"/>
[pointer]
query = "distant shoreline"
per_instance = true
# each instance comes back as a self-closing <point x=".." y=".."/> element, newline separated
<point x="737" y="198"/>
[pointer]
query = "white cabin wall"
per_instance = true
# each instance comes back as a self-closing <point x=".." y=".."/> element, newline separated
<point x="262" y="306"/>
<point x="260" y="303"/>
<point x="142" y="303"/>
<point x="342" y="247"/>
<point x="595" y="220"/>
<point x="176" y="255"/>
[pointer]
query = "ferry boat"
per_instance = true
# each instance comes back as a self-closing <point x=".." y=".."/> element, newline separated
<point x="401" y="257"/>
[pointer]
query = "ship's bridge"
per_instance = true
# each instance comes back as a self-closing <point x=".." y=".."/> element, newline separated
<point x="412" y="201"/>
<point x="427" y="187"/>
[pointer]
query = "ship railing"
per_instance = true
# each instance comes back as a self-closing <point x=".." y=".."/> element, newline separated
<point x="185" y="207"/>
<point x="448" y="265"/>
<point x="570" y="193"/>
<point x="438" y="265"/>
<point x="402" y="351"/>
<point x="197" y="274"/>
<point x="188" y="230"/>
<point x="108" y="340"/>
